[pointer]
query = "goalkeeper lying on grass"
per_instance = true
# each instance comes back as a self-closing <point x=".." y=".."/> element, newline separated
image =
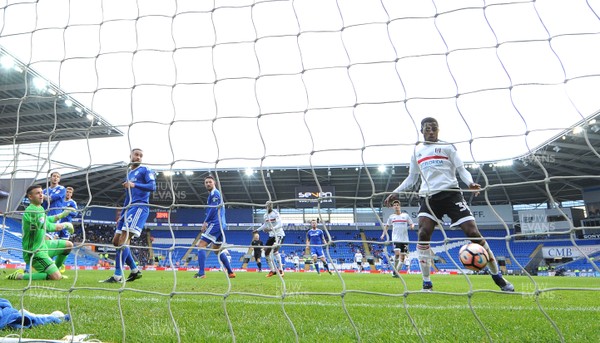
<point x="36" y="249"/>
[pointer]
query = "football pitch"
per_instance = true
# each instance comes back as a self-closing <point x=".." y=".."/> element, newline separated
<point x="168" y="306"/>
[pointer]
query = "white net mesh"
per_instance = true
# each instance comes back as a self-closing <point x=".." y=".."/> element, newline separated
<point x="271" y="85"/>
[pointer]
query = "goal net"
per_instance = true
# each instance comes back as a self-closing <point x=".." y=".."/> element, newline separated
<point x="315" y="106"/>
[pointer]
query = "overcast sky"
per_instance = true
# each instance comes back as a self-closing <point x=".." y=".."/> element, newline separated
<point x="295" y="83"/>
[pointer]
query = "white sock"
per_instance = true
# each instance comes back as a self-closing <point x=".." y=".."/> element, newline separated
<point x="271" y="262"/>
<point x="278" y="257"/>
<point x="397" y="264"/>
<point x="424" y="252"/>
<point x="492" y="264"/>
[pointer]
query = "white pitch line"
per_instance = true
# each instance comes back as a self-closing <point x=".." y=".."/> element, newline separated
<point x="231" y="299"/>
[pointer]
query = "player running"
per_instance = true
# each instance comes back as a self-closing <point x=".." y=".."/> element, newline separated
<point x="400" y="223"/>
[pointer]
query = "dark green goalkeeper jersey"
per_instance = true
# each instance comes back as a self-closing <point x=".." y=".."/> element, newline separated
<point x="35" y="223"/>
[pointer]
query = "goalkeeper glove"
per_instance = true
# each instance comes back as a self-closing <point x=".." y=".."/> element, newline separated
<point x="65" y="213"/>
<point x="69" y="227"/>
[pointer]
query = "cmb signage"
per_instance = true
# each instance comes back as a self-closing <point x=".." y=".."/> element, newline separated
<point x="311" y="196"/>
<point x="569" y="251"/>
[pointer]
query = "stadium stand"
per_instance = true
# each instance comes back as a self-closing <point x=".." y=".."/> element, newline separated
<point x="341" y="252"/>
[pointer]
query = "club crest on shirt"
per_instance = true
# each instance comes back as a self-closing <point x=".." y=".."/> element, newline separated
<point x="438" y="150"/>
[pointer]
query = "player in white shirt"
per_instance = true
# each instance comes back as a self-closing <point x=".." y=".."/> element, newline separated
<point x="437" y="163"/>
<point x="296" y="261"/>
<point x="358" y="259"/>
<point x="400" y="223"/>
<point x="274" y="227"/>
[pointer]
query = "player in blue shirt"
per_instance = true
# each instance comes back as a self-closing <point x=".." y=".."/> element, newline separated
<point x="212" y="229"/>
<point x="64" y="233"/>
<point x="315" y="239"/>
<point x="69" y="202"/>
<point x="54" y="195"/>
<point x="140" y="183"/>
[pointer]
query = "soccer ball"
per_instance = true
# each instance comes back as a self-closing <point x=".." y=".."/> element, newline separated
<point x="473" y="256"/>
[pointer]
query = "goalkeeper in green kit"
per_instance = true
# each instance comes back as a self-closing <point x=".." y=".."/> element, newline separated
<point x="37" y="251"/>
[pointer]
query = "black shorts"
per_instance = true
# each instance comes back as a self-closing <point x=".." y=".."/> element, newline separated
<point x="272" y="241"/>
<point x="403" y="247"/>
<point x="257" y="254"/>
<point x="450" y="203"/>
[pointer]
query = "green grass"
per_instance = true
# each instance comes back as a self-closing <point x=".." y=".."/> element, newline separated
<point x="364" y="307"/>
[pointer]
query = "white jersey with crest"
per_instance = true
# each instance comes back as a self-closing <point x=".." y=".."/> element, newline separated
<point x="400" y="224"/>
<point x="358" y="257"/>
<point x="437" y="164"/>
<point x="273" y="224"/>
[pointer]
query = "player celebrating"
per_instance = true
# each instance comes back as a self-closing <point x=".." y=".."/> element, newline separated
<point x="257" y="250"/>
<point x="212" y="229"/>
<point x="437" y="162"/>
<point x="315" y="239"/>
<point x="400" y="223"/>
<point x="37" y="250"/>
<point x="140" y="183"/>
<point x="274" y="226"/>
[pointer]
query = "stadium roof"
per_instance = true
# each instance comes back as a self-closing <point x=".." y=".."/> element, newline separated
<point x="348" y="86"/>
<point x="271" y="84"/>
<point x="563" y="167"/>
<point x="37" y="115"/>
<point x="34" y="110"/>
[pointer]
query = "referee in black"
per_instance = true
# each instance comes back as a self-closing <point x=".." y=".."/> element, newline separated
<point x="257" y="244"/>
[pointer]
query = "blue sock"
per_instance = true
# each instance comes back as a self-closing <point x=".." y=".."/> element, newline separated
<point x="129" y="259"/>
<point x="118" y="262"/>
<point x="225" y="262"/>
<point x="201" y="261"/>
